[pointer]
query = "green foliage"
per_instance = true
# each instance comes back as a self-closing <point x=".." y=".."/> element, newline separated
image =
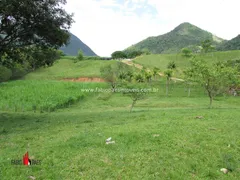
<point x="216" y="78"/>
<point x="168" y="74"/>
<point x="234" y="63"/>
<point x="139" y="77"/>
<point x="133" y="53"/>
<point x="155" y="71"/>
<point x="136" y="91"/>
<point x="186" y="52"/>
<point x="110" y="74"/>
<point x="96" y="58"/>
<point x="184" y="35"/>
<point x="162" y="60"/>
<point x="24" y="38"/>
<point x="41" y="96"/>
<point x="80" y="55"/>
<point x="207" y="46"/>
<point x="18" y="71"/>
<point x="19" y="29"/>
<point x="171" y="65"/>
<point x="118" y="55"/>
<point x="148" y="76"/>
<point x="5" y="74"/>
<point x="233" y="44"/>
<point x="146" y="51"/>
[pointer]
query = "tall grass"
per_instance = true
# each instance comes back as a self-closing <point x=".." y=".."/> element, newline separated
<point x="41" y="96"/>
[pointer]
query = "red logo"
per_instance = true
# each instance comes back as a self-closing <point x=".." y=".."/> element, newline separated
<point x="26" y="160"/>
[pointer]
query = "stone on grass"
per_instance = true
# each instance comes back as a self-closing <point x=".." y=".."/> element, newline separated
<point x="224" y="170"/>
<point x="110" y="142"/>
<point x="108" y="139"/>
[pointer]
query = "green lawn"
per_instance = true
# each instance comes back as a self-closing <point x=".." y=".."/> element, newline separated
<point x="160" y="141"/>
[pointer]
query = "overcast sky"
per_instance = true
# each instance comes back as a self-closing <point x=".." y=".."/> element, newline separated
<point x="110" y="25"/>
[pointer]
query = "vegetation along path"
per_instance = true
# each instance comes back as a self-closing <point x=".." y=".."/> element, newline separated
<point x="130" y="63"/>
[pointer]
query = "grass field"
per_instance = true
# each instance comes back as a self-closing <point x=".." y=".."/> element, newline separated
<point x="160" y="139"/>
<point x="66" y="68"/>
<point x="30" y="95"/>
<point x="161" y="60"/>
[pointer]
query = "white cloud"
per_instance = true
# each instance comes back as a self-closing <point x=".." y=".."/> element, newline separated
<point x="109" y="25"/>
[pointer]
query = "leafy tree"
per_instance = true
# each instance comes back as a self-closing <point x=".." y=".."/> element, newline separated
<point x="110" y="74"/>
<point x="155" y="72"/>
<point x="186" y="52"/>
<point x="207" y="46"/>
<point x="189" y="79"/>
<point x="136" y="92"/>
<point x="132" y="53"/>
<point x="139" y="78"/>
<point x="215" y="78"/>
<point x="168" y="74"/>
<point x="26" y="23"/>
<point x="148" y="76"/>
<point x="118" y="55"/>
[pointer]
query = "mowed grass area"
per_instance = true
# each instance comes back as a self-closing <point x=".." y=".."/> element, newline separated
<point x="161" y="139"/>
<point x="66" y="68"/>
<point x="161" y="60"/>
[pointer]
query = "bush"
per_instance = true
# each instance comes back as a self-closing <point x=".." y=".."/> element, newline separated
<point x="171" y="65"/>
<point x="80" y="56"/>
<point x="18" y="71"/>
<point x="5" y="74"/>
<point x="186" y="52"/>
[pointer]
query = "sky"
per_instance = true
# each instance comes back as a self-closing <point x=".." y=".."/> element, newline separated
<point x="110" y="25"/>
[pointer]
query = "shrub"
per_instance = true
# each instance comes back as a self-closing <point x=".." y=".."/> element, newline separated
<point x="5" y="74"/>
<point x="80" y="56"/>
<point x="171" y="65"/>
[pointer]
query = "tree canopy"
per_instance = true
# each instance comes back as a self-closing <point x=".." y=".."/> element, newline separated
<point x="33" y="22"/>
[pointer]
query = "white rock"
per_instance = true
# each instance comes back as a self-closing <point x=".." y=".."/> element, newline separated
<point x="110" y="142"/>
<point x="108" y="139"/>
<point x="224" y="170"/>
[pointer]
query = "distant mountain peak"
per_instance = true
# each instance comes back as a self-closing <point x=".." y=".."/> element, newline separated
<point x="74" y="45"/>
<point x="184" y="35"/>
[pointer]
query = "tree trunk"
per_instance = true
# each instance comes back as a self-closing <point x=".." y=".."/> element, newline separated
<point x="167" y="87"/>
<point x="189" y="91"/>
<point x="211" y="100"/>
<point x="133" y="103"/>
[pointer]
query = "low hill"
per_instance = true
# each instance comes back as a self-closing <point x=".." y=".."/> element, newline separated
<point x="184" y="35"/>
<point x="233" y="44"/>
<point x="162" y="60"/>
<point x="75" y="44"/>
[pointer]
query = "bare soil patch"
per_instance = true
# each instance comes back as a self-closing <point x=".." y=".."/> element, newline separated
<point x="85" y="79"/>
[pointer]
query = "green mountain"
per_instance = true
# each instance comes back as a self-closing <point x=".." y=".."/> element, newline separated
<point x="75" y="44"/>
<point x="233" y="44"/>
<point x="184" y="35"/>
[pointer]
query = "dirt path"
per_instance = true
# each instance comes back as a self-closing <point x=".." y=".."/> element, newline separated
<point x="85" y="79"/>
<point x="130" y="63"/>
